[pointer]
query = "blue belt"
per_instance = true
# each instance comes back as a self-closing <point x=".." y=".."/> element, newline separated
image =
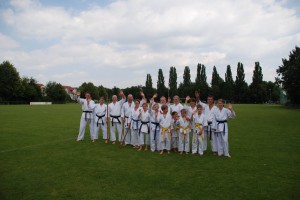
<point x="156" y="125"/>
<point x="136" y="123"/>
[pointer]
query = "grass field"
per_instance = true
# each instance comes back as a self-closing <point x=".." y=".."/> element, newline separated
<point x="40" y="159"/>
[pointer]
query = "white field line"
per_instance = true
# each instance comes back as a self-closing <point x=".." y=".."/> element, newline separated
<point x="36" y="145"/>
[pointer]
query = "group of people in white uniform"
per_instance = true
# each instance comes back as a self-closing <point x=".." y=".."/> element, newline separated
<point x="160" y="126"/>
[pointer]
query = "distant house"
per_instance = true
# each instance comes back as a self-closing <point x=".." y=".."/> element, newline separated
<point x="43" y="89"/>
<point x="71" y="91"/>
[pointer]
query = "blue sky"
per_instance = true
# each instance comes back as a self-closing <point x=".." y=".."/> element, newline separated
<point x="116" y="43"/>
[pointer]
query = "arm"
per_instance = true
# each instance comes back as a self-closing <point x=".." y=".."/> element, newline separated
<point x="230" y="114"/>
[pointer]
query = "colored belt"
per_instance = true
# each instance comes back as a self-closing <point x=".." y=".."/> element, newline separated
<point x="198" y="125"/>
<point x="164" y="130"/>
<point x="156" y="125"/>
<point x="100" y="117"/>
<point x="85" y="113"/>
<point x="222" y="122"/>
<point x="142" y="124"/>
<point x="185" y="129"/>
<point x="115" y="117"/>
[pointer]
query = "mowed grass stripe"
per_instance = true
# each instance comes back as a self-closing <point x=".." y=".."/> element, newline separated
<point x="265" y="163"/>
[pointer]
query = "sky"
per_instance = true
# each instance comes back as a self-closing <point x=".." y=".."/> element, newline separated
<point x="117" y="43"/>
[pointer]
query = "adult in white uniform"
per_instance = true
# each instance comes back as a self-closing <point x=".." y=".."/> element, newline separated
<point x="154" y="125"/>
<point x="114" y="111"/>
<point x="177" y="106"/>
<point x="135" y="123"/>
<point x="200" y="123"/>
<point x="126" y="113"/>
<point x="86" y="116"/>
<point x="222" y="115"/>
<point x="100" y="119"/>
<point x="144" y="130"/>
<point x="209" y="131"/>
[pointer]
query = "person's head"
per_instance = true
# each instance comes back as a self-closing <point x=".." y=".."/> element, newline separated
<point x="174" y="115"/>
<point x="176" y="99"/>
<point x="88" y="95"/>
<point x="129" y="98"/>
<point x="197" y="94"/>
<point x="193" y="102"/>
<point x="220" y="103"/>
<point x="114" y="98"/>
<point x="145" y="100"/>
<point x="101" y="100"/>
<point x="156" y="106"/>
<point x="145" y="106"/>
<point x="199" y="109"/>
<point x="163" y="100"/>
<point x="164" y="108"/>
<point x="183" y="112"/>
<point x="210" y="100"/>
<point x="137" y="103"/>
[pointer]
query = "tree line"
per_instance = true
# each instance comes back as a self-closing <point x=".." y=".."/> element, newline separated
<point x="14" y="88"/>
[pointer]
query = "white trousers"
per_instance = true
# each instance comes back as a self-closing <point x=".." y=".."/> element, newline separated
<point x="197" y="144"/>
<point x="135" y="137"/>
<point x="103" y="129"/>
<point x="223" y="146"/>
<point x="213" y="141"/>
<point x="144" y="138"/>
<point x="83" y="122"/>
<point x="174" y="140"/>
<point x="128" y="136"/>
<point x="165" y="141"/>
<point x="113" y="128"/>
<point x="154" y="141"/>
<point x="184" y="144"/>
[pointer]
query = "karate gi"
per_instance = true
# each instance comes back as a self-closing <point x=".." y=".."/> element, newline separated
<point x="197" y="139"/>
<point x="209" y="130"/>
<point x="177" y="108"/>
<point x="135" y="125"/>
<point x="175" y="128"/>
<point x="189" y="113"/>
<point x="126" y="113"/>
<point x="86" y="117"/>
<point x="154" y="130"/>
<point x="144" y="128"/>
<point x="184" y="139"/>
<point x="165" y="131"/>
<point x="222" y="130"/>
<point x="100" y="117"/>
<point x="114" y="111"/>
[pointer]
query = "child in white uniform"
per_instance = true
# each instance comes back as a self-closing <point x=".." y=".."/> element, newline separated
<point x="144" y="129"/>
<point x="154" y="125"/>
<point x="183" y="140"/>
<point x="175" y="128"/>
<point x="135" y="123"/>
<point x="100" y="119"/>
<point x="165" y="129"/>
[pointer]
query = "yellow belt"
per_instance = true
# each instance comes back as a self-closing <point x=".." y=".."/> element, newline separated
<point x="198" y="125"/>
<point x="176" y="129"/>
<point x="164" y="130"/>
<point x="183" y="130"/>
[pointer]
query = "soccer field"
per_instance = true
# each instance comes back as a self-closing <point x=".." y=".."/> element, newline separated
<point x="40" y="159"/>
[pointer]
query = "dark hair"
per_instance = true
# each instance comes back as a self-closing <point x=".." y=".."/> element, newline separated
<point x="210" y="96"/>
<point x="173" y="113"/>
<point x="193" y="100"/>
<point x="199" y="106"/>
<point x="163" y="107"/>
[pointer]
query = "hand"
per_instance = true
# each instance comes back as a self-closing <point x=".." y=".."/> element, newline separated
<point x="154" y="96"/>
<point x="142" y="94"/>
<point x="141" y="111"/>
<point x="78" y="93"/>
<point x="194" y="112"/>
<point x="229" y="106"/>
<point x="151" y="100"/>
<point x="187" y="98"/>
<point x="121" y="94"/>
<point x="169" y="99"/>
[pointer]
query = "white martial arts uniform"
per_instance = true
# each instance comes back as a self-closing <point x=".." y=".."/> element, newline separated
<point x="184" y="139"/>
<point x="165" y="131"/>
<point x="175" y="128"/>
<point x="177" y="108"/>
<point x="154" y="130"/>
<point x="100" y="117"/>
<point x="210" y="129"/>
<point x="197" y="139"/>
<point x="86" y="117"/>
<point x="144" y="128"/>
<point x="126" y="113"/>
<point x="222" y="130"/>
<point x="135" y="125"/>
<point x="189" y="113"/>
<point x="114" y="111"/>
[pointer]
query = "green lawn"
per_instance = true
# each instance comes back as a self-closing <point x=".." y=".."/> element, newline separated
<point x="40" y="159"/>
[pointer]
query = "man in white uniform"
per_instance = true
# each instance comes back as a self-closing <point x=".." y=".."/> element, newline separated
<point x="86" y="116"/>
<point x="114" y="111"/>
<point x="100" y="119"/>
<point x="209" y="131"/>
<point x="125" y="114"/>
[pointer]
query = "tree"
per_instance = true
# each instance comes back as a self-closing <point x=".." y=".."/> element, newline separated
<point x="241" y="87"/>
<point x="91" y="88"/>
<point x="161" y="88"/>
<point x="172" y="82"/>
<point x="201" y="81"/>
<point x="185" y="87"/>
<point x="228" y="85"/>
<point x="31" y="91"/>
<point x="216" y="84"/>
<point x="288" y="75"/>
<point x="102" y="92"/>
<point x="56" y="92"/>
<point x="10" y="82"/>
<point x="148" y="89"/>
<point x="258" y="92"/>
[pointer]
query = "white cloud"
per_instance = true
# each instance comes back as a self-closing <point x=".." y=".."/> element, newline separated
<point x="139" y="37"/>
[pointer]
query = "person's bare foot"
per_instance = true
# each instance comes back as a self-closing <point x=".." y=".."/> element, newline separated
<point x="180" y="152"/>
<point x="175" y="151"/>
<point x="161" y="152"/>
<point x="168" y="152"/>
<point x="139" y="149"/>
<point x="114" y="142"/>
<point x="106" y="141"/>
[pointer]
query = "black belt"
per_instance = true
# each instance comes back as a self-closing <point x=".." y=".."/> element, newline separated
<point x="142" y="124"/>
<point x="222" y="122"/>
<point x="156" y="125"/>
<point x="209" y="125"/>
<point x="115" y="117"/>
<point x="86" y="112"/>
<point x="100" y="117"/>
